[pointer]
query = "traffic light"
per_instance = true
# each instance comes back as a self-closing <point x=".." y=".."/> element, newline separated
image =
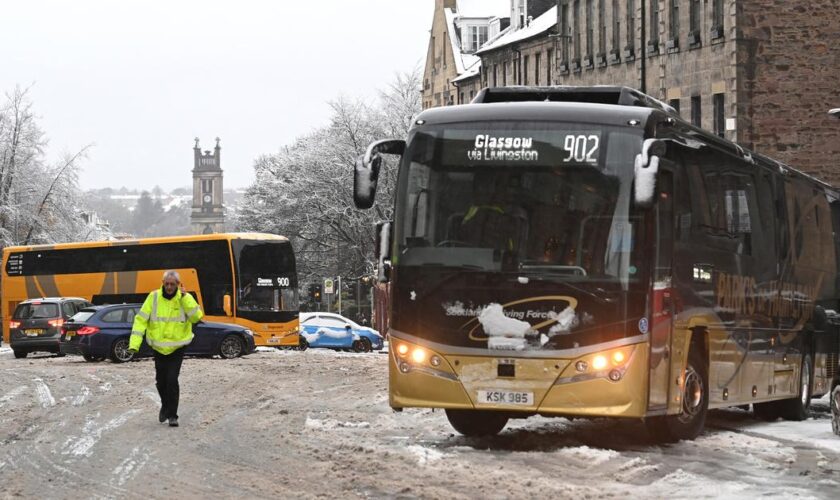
<point x="316" y="293"/>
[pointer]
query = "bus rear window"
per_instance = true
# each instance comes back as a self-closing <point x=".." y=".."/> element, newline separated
<point x="36" y="311"/>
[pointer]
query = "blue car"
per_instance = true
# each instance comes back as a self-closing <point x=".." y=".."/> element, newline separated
<point x="99" y="332"/>
<point x="334" y="331"/>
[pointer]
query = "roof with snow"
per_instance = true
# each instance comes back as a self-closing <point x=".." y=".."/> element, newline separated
<point x="537" y="27"/>
<point x="462" y="61"/>
<point x="483" y="8"/>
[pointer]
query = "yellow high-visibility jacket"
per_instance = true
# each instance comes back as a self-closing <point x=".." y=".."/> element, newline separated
<point x="167" y="323"/>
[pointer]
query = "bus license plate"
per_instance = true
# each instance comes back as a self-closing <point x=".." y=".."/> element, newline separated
<point x="273" y="340"/>
<point x="33" y="333"/>
<point x="505" y="398"/>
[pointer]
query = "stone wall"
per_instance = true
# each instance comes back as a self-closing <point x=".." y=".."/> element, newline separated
<point x="789" y="77"/>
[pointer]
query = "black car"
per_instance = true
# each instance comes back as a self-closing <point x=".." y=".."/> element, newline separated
<point x="36" y="323"/>
<point x="99" y="332"/>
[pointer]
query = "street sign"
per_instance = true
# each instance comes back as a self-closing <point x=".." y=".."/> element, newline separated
<point x="328" y="286"/>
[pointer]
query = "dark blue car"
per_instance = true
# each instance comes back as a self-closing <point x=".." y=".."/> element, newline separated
<point x="99" y="332"/>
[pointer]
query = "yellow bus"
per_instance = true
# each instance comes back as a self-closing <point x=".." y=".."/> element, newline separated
<point x="248" y="279"/>
<point x="585" y="252"/>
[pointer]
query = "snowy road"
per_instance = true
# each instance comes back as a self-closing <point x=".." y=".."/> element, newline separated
<point x="291" y="424"/>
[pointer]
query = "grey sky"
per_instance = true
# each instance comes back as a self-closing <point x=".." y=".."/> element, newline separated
<point x="141" y="79"/>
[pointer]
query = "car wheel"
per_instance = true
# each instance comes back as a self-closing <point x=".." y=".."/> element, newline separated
<point x="362" y="345"/>
<point x="91" y="359"/>
<point x="695" y="404"/>
<point x="230" y="347"/>
<point x="120" y="352"/>
<point x="475" y="423"/>
<point x="303" y="344"/>
<point x="20" y="354"/>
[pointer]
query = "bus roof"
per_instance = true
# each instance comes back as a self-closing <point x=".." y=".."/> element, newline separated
<point x="578" y="112"/>
<point x="145" y="241"/>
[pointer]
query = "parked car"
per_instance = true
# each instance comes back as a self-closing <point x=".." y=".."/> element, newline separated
<point x="36" y="323"/>
<point x="334" y="331"/>
<point x="834" y="399"/>
<point x="100" y="332"/>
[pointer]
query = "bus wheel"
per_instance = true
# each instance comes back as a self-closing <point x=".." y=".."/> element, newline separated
<point x="835" y="410"/>
<point x="695" y="404"/>
<point x="474" y="423"/>
<point x="120" y="352"/>
<point x="91" y="359"/>
<point x="797" y="408"/>
<point x="20" y="354"/>
<point x="303" y="344"/>
<point x="230" y="347"/>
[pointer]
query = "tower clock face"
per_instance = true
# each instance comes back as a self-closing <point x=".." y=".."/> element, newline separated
<point x="207" y="198"/>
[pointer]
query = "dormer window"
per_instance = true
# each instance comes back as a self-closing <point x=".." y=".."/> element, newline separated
<point x="476" y="37"/>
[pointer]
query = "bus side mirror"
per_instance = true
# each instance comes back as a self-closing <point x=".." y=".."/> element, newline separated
<point x="646" y="167"/>
<point x="366" y="172"/>
<point x="227" y="306"/>
<point x="383" y="251"/>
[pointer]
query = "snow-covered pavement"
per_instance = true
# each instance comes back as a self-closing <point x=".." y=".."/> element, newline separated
<point x="317" y="423"/>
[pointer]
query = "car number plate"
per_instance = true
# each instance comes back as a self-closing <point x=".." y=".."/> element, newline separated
<point x="69" y="335"/>
<point x="493" y="397"/>
<point x="33" y="333"/>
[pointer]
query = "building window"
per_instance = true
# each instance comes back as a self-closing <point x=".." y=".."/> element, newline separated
<point x="565" y="32"/>
<point x="525" y="70"/>
<point x="548" y="62"/>
<point x="720" y="125"/>
<point x="472" y="94"/>
<point x="495" y="75"/>
<point x="675" y="103"/>
<point x="476" y="37"/>
<point x="653" y="40"/>
<point x="461" y="98"/>
<point x="590" y="29"/>
<point x="675" y="22"/>
<point x="443" y="50"/>
<point x="504" y="74"/>
<point x="577" y="28"/>
<point x="631" y="27"/>
<point x="537" y="62"/>
<point x="717" y="18"/>
<point x="602" y="27"/>
<point x="616" y="28"/>
<point x="696" y="112"/>
<point x="695" y="12"/>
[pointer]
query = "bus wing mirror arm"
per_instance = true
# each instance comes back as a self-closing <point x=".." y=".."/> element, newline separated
<point x="646" y="168"/>
<point x="383" y="251"/>
<point x="227" y="305"/>
<point x="366" y="170"/>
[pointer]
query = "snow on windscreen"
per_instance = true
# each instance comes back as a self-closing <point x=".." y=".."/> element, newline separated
<point x="502" y="331"/>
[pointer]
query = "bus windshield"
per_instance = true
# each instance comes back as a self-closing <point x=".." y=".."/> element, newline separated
<point x="523" y="198"/>
<point x="266" y="278"/>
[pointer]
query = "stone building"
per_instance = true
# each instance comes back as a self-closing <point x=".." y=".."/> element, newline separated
<point x="762" y="73"/>
<point x="208" y="212"/>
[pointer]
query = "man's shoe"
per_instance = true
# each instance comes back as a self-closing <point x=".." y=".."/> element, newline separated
<point x="173" y="422"/>
<point x="161" y="416"/>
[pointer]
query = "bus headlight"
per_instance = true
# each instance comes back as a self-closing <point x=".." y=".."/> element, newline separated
<point x="599" y="362"/>
<point x="418" y="355"/>
<point x="402" y="349"/>
<point x="618" y="358"/>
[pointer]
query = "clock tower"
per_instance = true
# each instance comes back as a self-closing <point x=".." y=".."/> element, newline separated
<point x="208" y="212"/>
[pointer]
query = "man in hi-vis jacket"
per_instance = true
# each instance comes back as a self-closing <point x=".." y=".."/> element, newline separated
<point x="166" y="319"/>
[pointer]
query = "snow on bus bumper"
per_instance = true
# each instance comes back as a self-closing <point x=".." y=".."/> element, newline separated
<point x="610" y="382"/>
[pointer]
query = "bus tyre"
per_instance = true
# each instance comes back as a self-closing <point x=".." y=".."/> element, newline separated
<point x="91" y="359"/>
<point x="835" y="409"/>
<point x="797" y="408"/>
<point x="695" y="404"/>
<point x="120" y="352"/>
<point x="20" y="354"/>
<point x="475" y="423"/>
<point x="230" y="347"/>
<point x="303" y="344"/>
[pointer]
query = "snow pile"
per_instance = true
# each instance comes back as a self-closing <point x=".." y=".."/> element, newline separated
<point x="425" y="455"/>
<point x="593" y="456"/>
<point x="503" y="332"/>
<point x="566" y="320"/>
<point x="329" y="423"/>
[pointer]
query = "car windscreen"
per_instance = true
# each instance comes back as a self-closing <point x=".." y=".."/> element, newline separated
<point x="82" y="315"/>
<point x="36" y="311"/>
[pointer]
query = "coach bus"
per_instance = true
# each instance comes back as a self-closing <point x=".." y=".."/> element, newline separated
<point x="242" y="278"/>
<point x="585" y="252"/>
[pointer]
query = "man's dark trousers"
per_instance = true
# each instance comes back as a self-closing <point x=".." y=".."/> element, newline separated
<point x="167" y="369"/>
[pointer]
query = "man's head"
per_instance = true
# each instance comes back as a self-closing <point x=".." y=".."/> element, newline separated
<point x="171" y="281"/>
